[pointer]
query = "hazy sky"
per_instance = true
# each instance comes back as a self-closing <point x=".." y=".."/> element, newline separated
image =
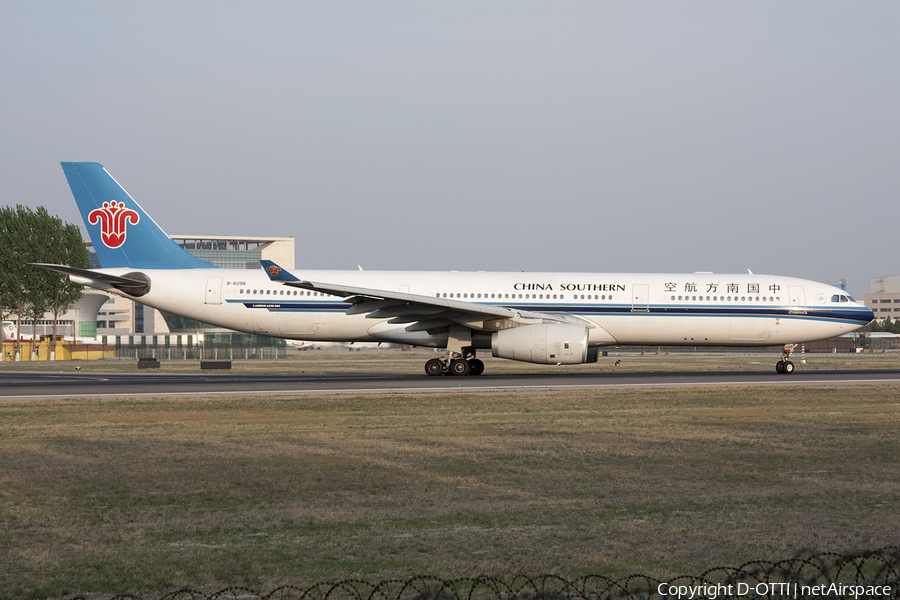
<point x="586" y="136"/>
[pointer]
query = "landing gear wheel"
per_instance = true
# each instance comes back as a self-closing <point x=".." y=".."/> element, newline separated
<point x="476" y="367"/>
<point x="459" y="366"/>
<point x="779" y="368"/>
<point x="434" y="367"/>
<point x="787" y="368"/>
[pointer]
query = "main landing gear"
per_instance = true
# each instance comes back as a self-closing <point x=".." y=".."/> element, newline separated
<point x="785" y="366"/>
<point x="460" y="358"/>
<point x="454" y="366"/>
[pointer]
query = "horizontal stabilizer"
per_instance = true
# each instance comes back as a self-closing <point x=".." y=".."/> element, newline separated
<point x="133" y="284"/>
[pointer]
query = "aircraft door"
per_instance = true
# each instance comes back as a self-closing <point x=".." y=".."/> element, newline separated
<point x="214" y="290"/>
<point x="640" y="297"/>
<point x="797" y="299"/>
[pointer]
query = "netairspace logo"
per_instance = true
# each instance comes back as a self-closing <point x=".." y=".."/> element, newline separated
<point x="786" y="590"/>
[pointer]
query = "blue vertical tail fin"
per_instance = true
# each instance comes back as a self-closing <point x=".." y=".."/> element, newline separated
<point x="123" y="234"/>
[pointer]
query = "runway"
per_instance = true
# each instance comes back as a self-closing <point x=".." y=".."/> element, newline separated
<point x="38" y="385"/>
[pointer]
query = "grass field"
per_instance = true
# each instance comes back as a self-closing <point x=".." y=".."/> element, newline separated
<point x="148" y="495"/>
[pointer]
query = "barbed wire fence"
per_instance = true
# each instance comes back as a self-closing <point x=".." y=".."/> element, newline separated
<point x="809" y="574"/>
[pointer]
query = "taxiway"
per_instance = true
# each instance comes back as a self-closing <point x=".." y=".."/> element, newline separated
<point x="18" y="385"/>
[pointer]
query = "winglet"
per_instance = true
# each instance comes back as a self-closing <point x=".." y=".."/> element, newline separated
<point x="277" y="273"/>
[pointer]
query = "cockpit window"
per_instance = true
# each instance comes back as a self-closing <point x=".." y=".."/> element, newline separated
<point x="835" y="298"/>
<point x="842" y="298"/>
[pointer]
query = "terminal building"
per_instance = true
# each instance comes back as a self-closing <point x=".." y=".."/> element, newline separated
<point x="884" y="297"/>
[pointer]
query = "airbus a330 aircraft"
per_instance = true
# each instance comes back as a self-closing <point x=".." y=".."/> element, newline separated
<point x="548" y="318"/>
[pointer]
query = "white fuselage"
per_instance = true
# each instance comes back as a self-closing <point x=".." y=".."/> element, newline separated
<point x="618" y="308"/>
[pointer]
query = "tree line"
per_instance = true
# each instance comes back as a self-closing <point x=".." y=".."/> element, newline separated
<point x="888" y="325"/>
<point x="27" y="292"/>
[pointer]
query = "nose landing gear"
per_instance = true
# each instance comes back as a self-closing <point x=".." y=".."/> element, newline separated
<point x="784" y="366"/>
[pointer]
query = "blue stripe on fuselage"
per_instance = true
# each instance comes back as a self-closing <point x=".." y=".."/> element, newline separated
<point x="855" y="315"/>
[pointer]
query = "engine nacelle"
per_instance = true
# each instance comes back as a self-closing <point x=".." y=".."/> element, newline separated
<point x="544" y="344"/>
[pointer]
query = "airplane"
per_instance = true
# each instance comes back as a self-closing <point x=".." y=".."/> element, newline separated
<point x="10" y="333"/>
<point x="544" y="318"/>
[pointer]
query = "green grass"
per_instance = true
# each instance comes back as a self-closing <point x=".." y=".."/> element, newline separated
<point x="148" y="495"/>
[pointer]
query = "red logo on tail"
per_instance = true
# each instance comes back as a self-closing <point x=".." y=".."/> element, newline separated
<point x="112" y="218"/>
<point x="273" y="270"/>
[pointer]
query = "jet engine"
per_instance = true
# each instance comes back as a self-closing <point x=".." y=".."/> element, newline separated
<point x="556" y="343"/>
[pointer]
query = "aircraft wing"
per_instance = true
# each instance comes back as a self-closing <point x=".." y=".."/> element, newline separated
<point x="422" y="313"/>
